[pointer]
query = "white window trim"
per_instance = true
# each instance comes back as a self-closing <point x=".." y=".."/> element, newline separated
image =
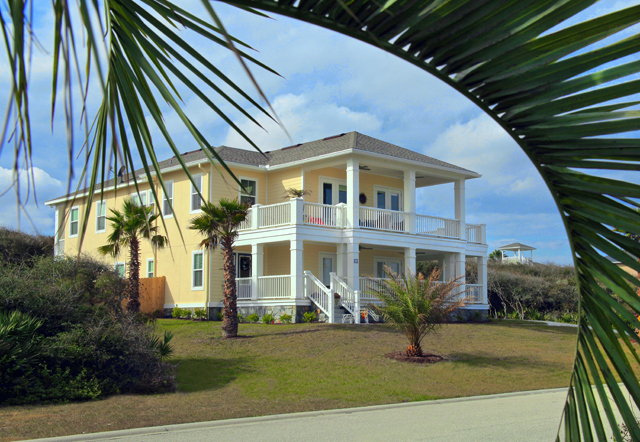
<point x="98" y="215"/>
<point x="142" y="192"/>
<point x="377" y="259"/>
<point x="334" y="195"/>
<point x="72" y="209"/>
<point x="116" y="264"/>
<point x="194" y="287"/>
<point x="256" y="180"/>
<point x="388" y="191"/>
<point x="154" y="268"/>
<point x="191" y="188"/>
<point x="173" y="193"/>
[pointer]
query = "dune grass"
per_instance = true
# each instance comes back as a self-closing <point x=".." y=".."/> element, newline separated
<point x="304" y="367"/>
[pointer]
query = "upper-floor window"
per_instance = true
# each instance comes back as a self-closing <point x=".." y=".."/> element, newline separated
<point x="388" y="198"/>
<point x="196" y="201"/>
<point x="248" y="191"/>
<point x="150" y="268"/>
<point x="120" y="268"/>
<point x="197" y="277"/>
<point x="101" y="216"/>
<point x="74" y="222"/>
<point x="167" y="199"/>
<point x="144" y="198"/>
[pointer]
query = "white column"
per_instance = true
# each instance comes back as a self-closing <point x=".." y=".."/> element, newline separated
<point x="257" y="267"/>
<point x="460" y="270"/>
<point x="353" y="194"/>
<point x="297" y="210"/>
<point x="460" y="206"/>
<point x="410" y="199"/>
<point x="341" y="259"/>
<point x="482" y="278"/>
<point x="296" y="269"/>
<point x="450" y="267"/>
<point x="410" y="260"/>
<point x="353" y="264"/>
<point x="255" y="221"/>
<point x="56" y="235"/>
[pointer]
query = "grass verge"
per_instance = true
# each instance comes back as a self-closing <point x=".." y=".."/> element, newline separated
<point x="306" y="367"/>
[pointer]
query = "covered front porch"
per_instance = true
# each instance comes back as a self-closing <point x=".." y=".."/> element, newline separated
<point x="312" y="272"/>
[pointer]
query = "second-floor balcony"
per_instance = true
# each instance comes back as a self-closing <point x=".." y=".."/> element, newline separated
<point x="299" y="212"/>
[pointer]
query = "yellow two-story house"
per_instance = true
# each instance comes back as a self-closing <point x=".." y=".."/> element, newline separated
<point x="294" y="254"/>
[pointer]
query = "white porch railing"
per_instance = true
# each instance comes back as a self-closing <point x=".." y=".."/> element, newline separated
<point x="243" y="288"/>
<point x="246" y="224"/>
<point x="368" y="285"/>
<point x="474" y="293"/>
<point x="348" y="297"/>
<point x="435" y="226"/>
<point x="274" y="215"/>
<point x="323" y="215"/>
<point x="474" y="233"/>
<point x="270" y="287"/>
<point x="382" y="219"/>
<point x="517" y="259"/>
<point x="319" y="294"/>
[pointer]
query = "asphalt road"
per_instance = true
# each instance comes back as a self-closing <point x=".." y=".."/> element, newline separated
<point x="528" y="416"/>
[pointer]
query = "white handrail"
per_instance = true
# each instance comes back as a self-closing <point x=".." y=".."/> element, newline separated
<point x="383" y="219"/>
<point x="246" y="224"/>
<point x="274" y="215"/>
<point x="436" y="226"/>
<point x="323" y="215"/>
<point x="348" y="297"/>
<point x="474" y="233"/>
<point x="274" y="286"/>
<point x="319" y="294"/>
<point x="243" y="288"/>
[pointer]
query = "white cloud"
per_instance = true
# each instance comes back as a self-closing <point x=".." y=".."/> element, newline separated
<point x="305" y="120"/>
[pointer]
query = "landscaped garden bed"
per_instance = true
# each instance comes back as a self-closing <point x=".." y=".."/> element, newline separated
<point x="304" y="367"/>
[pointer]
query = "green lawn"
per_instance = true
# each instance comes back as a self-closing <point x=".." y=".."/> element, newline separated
<point x="304" y="367"/>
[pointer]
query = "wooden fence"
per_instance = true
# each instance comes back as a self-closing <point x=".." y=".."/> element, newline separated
<point x="152" y="294"/>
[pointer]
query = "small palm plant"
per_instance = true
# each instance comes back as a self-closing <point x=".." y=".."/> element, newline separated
<point x="416" y="305"/>
<point x="219" y="226"/>
<point x="292" y="192"/>
<point x="129" y="226"/>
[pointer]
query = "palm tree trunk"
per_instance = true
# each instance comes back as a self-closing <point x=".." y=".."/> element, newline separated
<point x="134" y="276"/>
<point x="230" y="311"/>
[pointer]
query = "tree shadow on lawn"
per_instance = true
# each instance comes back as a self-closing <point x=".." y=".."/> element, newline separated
<point x="209" y="373"/>
<point x="507" y="362"/>
<point x="284" y="333"/>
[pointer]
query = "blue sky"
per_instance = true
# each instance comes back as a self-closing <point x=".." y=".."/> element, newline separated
<point x="331" y="84"/>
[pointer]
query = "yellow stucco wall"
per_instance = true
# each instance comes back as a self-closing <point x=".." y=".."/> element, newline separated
<point x="279" y="181"/>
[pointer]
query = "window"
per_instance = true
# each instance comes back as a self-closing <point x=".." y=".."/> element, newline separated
<point x="139" y="200"/>
<point x="197" y="279"/>
<point x="196" y="201"/>
<point x="333" y="191"/>
<point x="248" y="192"/>
<point x="388" y="198"/>
<point x="74" y="221"/>
<point x="101" y="216"/>
<point x="167" y="199"/>
<point x="150" y="268"/>
<point x="120" y="268"/>
<point x="395" y="264"/>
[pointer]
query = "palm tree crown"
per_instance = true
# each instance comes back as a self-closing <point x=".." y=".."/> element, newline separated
<point x="128" y="227"/>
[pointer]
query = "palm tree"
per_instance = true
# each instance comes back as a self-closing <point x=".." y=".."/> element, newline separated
<point x="562" y="92"/>
<point x="219" y="226"/>
<point x="496" y="255"/>
<point x="129" y="226"/>
<point x="416" y="305"/>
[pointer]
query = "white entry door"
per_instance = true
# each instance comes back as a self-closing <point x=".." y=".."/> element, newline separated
<point x="328" y="264"/>
<point x="395" y="264"/>
<point x="388" y="198"/>
<point x="333" y="191"/>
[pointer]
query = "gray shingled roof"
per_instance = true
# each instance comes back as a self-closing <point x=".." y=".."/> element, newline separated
<point x="302" y="151"/>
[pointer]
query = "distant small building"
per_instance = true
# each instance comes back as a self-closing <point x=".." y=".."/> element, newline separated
<point x="518" y="250"/>
<point x="624" y="267"/>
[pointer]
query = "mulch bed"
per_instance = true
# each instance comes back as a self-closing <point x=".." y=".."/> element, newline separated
<point x="424" y="359"/>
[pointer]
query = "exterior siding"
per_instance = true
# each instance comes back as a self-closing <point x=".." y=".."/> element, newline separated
<point x="279" y="181"/>
<point x="368" y="180"/>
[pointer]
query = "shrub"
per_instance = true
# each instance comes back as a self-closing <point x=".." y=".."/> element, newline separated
<point x="286" y="319"/>
<point x="309" y="316"/>
<point x="86" y="346"/>
<point x="178" y="312"/>
<point x="240" y="318"/>
<point x="268" y="318"/>
<point x="200" y="314"/>
<point x="220" y="316"/>
<point x="17" y="248"/>
<point x="253" y="318"/>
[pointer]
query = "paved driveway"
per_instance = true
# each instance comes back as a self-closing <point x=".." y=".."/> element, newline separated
<point x="529" y="416"/>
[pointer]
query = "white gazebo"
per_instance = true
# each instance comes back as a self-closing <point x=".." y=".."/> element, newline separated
<point x="518" y="250"/>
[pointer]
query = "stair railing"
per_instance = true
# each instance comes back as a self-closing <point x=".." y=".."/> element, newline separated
<point x="349" y="298"/>
<point x="319" y="294"/>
